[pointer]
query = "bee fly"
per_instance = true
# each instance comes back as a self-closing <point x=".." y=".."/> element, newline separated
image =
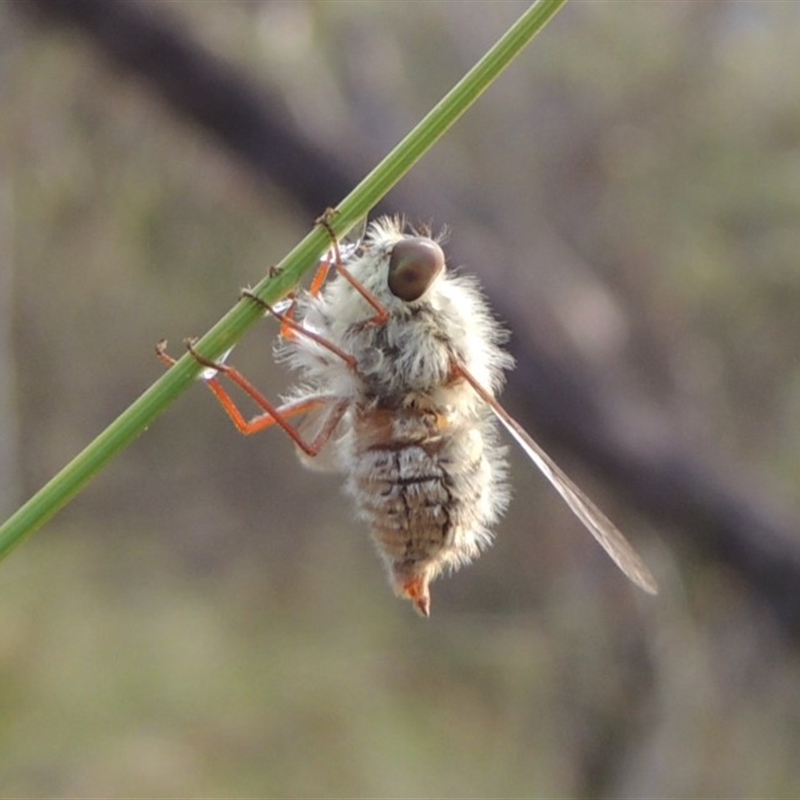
<point x="400" y="363"/>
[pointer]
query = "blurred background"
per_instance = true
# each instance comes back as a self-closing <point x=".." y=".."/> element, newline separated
<point x="208" y="618"/>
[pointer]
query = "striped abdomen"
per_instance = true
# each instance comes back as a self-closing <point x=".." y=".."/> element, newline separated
<point x="424" y="484"/>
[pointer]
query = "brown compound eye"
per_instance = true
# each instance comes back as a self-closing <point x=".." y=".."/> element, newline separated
<point x="414" y="264"/>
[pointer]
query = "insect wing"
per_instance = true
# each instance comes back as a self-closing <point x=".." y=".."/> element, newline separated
<point x="209" y="373"/>
<point x="603" y="530"/>
<point x="349" y="245"/>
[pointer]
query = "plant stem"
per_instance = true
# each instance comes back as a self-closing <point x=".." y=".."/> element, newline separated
<point x="132" y="422"/>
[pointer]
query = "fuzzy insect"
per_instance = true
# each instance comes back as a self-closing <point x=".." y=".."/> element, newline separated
<point x="400" y="363"/>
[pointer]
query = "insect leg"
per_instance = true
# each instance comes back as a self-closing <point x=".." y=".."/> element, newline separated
<point x="273" y="415"/>
<point x="296" y="328"/>
<point x="287" y="330"/>
<point x="381" y="314"/>
<point x="320" y="276"/>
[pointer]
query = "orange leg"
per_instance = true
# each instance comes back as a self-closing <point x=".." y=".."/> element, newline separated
<point x="288" y="331"/>
<point x="290" y="328"/>
<point x="272" y="415"/>
<point x="295" y="329"/>
<point x="381" y="314"/>
<point x="319" y="277"/>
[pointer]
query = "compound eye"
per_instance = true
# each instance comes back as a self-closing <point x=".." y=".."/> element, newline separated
<point x="414" y="265"/>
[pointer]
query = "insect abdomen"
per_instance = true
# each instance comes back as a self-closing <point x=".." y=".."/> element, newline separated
<point x="427" y="495"/>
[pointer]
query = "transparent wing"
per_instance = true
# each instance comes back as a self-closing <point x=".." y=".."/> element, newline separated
<point x="348" y="245"/>
<point x="209" y="372"/>
<point x="599" y="525"/>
